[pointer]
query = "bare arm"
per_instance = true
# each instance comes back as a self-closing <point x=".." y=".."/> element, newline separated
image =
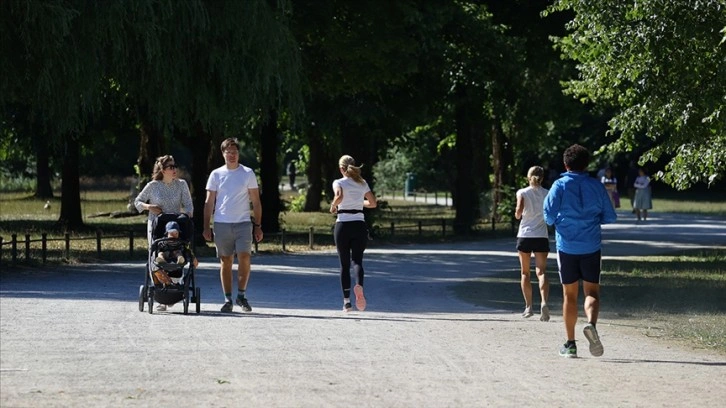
<point x="208" y="210"/>
<point x="336" y="200"/>
<point x="520" y="207"/>
<point x="254" y="194"/>
<point x="370" y="200"/>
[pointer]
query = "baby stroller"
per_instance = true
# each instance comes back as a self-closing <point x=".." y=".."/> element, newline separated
<point x="178" y="283"/>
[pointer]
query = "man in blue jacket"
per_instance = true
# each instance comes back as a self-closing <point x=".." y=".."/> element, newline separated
<point x="577" y="205"/>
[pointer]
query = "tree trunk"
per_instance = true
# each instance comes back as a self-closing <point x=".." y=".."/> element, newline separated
<point x="502" y="163"/>
<point x="354" y="142"/>
<point x="70" y="212"/>
<point x="150" y="145"/>
<point x="269" y="174"/>
<point x="43" y="188"/>
<point x="200" y="145"/>
<point x="314" y="171"/>
<point x="466" y="185"/>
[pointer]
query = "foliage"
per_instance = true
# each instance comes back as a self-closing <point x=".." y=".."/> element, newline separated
<point x="421" y="152"/>
<point x="297" y="204"/>
<point x="660" y="65"/>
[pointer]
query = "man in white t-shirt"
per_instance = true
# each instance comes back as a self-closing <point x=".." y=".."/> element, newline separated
<point x="230" y="191"/>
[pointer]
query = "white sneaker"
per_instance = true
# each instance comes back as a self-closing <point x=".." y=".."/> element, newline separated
<point x="527" y="312"/>
<point x="161" y="308"/>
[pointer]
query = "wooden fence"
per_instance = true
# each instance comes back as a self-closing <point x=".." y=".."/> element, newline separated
<point x="25" y="249"/>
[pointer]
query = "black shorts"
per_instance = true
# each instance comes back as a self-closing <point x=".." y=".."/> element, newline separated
<point x="575" y="267"/>
<point x="530" y="245"/>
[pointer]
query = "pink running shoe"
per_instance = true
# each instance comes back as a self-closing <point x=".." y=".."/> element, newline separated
<point x="360" y="300"/>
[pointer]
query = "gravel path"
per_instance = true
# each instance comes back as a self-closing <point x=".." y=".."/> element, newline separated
<point x="73" y="336"/>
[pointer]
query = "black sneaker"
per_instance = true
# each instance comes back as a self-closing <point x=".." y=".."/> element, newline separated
<point x="242" y="302"/>
<point x="347" y="307"/>
<point x="227" y="307"/>
<point x="569" y="350"/>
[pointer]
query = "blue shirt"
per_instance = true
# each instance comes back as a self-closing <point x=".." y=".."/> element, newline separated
<point x="577" y="205"/>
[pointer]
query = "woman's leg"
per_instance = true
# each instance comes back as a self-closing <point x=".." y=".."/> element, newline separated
<point x="358" y="243"/>
<point x="525" y="280"/>
<point x="541" y="268"/>
<point x="540" y="259"/>
<point x="342" y="244"/>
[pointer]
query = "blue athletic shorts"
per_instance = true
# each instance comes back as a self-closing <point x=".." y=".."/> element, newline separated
<point x="575" y="267"/>
<point x="232" y="238"/>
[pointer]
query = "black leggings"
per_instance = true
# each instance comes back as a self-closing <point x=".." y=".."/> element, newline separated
<point x="350" y="239"/>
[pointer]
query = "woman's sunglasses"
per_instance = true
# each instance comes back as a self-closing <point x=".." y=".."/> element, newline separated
<point x="171" y="166"/>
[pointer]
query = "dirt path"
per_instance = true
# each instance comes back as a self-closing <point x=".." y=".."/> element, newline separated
<point x="73" y="336"/>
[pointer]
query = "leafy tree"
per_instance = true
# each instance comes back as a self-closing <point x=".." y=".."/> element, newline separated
<point x="660" y="65"/>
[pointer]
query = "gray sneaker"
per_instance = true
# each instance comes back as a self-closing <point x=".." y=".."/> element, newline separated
<point x="527" y="312"/>
<point x="596" y="348"/>
<point x="544" y="313"/>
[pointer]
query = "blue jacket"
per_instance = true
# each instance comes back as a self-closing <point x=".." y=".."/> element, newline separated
<point x="577" y="205"/>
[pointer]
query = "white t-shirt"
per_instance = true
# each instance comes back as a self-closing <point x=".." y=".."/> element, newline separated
<point x="353" y="196"/>
<point x="233" y="199"/>
<point x="533" y="223"/>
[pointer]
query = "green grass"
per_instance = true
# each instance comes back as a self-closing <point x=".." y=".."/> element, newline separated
<point x="708" y="205"/>
<point x="676" y="297"/>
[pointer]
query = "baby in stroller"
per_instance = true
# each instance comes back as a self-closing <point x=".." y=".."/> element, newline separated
<point x="170" y="254"/>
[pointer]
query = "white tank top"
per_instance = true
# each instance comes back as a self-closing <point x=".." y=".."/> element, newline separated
<point x="533" y="223"/>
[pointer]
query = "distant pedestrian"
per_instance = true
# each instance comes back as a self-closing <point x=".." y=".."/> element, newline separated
<point x="533" y="237"/>
<point x="630" y="183"/>
<point x="611" y="185"/>
<point x="352" y="194"/>
<point x="577" y="205"/>
<point x="291" y="173"/>
<point x="643" y="197"/>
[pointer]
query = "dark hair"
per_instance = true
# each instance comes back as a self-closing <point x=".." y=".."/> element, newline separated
<point x="229" y="142"/>
<point x="576" y="158"/>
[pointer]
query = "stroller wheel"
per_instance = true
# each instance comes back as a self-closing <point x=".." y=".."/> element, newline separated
<point x="186" y="296"/>
<point x="197" y="297"/>
<point x="142" y="297"/>
<point x="150" y="296"/>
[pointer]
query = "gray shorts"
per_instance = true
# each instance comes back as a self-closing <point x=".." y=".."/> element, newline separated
<point x="232" y="238"/>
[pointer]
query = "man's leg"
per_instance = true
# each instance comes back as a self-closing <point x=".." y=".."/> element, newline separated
<point x="243" y="276"/>
<point x="243" y="270"/>
<point x="225" y="276"/>
<point x="591" y="266"/>
<point x="525" y="282"/>
<point x="569" y="308"/>
<point x="592" y="309"/>
<point x="592" y="301"/>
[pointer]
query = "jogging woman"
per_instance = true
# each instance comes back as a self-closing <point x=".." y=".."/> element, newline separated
<point x="352" y="194"/>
